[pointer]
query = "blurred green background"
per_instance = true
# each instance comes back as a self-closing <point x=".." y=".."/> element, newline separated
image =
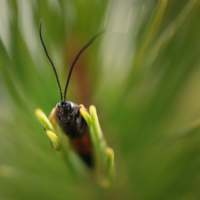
<point x="143" y="76"/>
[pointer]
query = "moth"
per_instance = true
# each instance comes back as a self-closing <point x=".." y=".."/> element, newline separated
<point x="68" y="115"/>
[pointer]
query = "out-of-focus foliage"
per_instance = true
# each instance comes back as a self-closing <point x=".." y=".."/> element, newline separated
<point x="143" y="75"/>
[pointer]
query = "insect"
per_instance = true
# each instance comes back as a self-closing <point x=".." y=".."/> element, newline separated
<point x="68" y="115"/>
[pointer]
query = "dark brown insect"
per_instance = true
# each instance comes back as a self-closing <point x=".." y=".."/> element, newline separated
<point x="68" y="115"/>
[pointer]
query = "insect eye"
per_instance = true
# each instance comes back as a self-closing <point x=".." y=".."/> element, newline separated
<point x="57" y="108"/>
<point x="70" y="107"/>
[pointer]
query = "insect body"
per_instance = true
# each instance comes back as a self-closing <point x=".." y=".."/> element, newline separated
<point x="74" y="125"/>
<point x="68" y="115"/>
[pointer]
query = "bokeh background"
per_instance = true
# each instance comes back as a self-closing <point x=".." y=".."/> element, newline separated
<point x="142" y="74"/>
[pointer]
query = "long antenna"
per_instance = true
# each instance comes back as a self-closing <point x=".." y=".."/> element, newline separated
<point x="40" y="31"/>
<point x="70" y="72"/>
